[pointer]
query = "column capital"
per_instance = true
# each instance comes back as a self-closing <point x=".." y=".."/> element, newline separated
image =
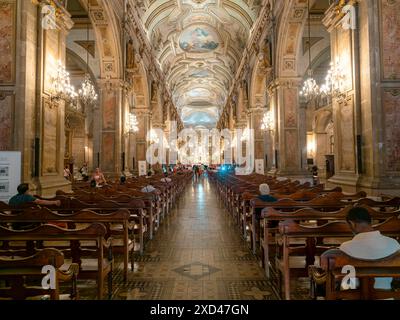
<point x="289" y="82"/>
<point x="110" y="84"/>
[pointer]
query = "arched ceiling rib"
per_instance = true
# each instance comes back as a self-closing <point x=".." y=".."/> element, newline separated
<point x="199" y="44"/>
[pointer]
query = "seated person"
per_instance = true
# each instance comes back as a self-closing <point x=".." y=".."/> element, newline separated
<point x="266" y="197"/>
<point x="122" y="179"/>
<point x="265" y="193"/>
<point x="98" y="176"/>
<point x="368" y="244"/>
<point x="23" y="198"/>
<point x="166" y="179"/>
<point x="150" y="189"/>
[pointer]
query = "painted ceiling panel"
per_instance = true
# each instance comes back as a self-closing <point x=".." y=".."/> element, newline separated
<point x="199" y="45"/>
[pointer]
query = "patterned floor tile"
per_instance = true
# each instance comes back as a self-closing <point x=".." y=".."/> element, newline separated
<point x="197" y="253"/>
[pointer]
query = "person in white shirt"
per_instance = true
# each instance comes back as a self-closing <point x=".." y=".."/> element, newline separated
<point x="368" y="244"/>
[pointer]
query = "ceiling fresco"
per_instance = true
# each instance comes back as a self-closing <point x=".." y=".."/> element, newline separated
<point x="199" y="45"/>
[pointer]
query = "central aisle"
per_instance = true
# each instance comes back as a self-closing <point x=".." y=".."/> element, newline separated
<point x="196" y="254"/>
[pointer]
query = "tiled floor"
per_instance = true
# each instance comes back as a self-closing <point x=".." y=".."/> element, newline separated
<point x="196" y="254"/>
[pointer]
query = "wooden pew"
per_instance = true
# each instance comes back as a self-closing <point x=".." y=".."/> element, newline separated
<point x="17" y="270"/>
<point x="332" y="262"/>
<point x="95" y="232"/>
<point x="290" y="231"/>
<point x="321" y="203"/>
<point x="271" y="216"/>
<point x="120" y="217"/>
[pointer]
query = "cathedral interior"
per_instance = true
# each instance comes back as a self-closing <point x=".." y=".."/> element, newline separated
<point x="100" y="83"/>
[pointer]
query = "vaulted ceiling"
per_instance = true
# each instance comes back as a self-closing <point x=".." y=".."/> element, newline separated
<point x="199" y="45"/>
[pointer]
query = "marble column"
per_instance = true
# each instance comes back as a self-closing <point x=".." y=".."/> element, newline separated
<point x="367" y="117"/>
<point x="291" y="129"/>
<point x="378" y="35"/>
<point x="255" y="117"/>
<point x="39" y="115"/>
<point x="346" y="108"/>
<point x="110" y="125"/>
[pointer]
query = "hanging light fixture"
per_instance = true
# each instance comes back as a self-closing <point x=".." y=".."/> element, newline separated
<point x="62" y="85"/>
<point x="133" y="123"/>
<point x="87" y="92"/>
<point x="310" y="88"/>
<point x="267" y="122"/>
<point x="334" y="81"/>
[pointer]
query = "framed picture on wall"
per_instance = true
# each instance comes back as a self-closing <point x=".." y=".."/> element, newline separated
<point x="4" y="171"/>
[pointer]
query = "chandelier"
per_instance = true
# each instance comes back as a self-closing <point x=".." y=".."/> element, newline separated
<point x="133" y="123"/>
<point x="267" y="122"/>
<point x="334" y="82"/>
<point x="310" y="88"/>
<point x="87" y="92"/>
<point x="62" y="85"/>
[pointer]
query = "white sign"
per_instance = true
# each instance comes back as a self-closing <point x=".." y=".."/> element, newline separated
<point x="142" y="168"/>
<point x="259" y="163"/>
<point x="10" y="174"/>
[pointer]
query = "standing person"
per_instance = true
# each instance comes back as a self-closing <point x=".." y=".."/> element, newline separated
<point x="196" y="172"/>
<point x="84" y="172"/>
<point x="314" y="171"/>
<point x="99" y="178"/>
<point x="67" y="173"/>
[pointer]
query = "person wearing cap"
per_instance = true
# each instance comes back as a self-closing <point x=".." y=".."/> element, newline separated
<point x="368" y="244"/>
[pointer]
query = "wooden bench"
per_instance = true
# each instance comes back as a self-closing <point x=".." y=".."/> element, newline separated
<point x="120" y="217"/>
<point x="291" y="231"/>
<point x="96" y="232"/>
<point x="330" y="275"/>
<point x="16" y="271"/>
<point x="272" y="216"/>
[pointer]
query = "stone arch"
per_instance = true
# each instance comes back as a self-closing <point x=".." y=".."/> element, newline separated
<point x="108" y="41"/>
<point x="323" y="138"/>
<point x="290" y="28"/>
<point x="258" y="86"/>
<point x="322" y="119"/>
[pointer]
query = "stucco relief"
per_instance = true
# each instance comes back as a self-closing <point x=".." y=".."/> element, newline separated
<point x="347" y="147"/>
<point x="390" y="25"/>
<point x="6" y="106"/>
<point x="391" y="110"/>
<point x="290" y="101"/>
<point x="292" y="38"/>
<point x="291" y="146"/>
<point x="7" y="41"/>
